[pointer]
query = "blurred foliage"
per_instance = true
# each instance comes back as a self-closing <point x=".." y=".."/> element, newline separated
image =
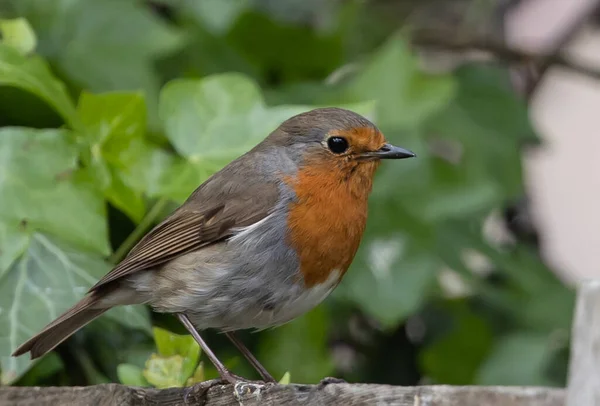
<point x="113" y="111"/>
<point x="175" y="365"/>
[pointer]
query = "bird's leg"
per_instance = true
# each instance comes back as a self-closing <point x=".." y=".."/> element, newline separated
<point x="250" y="358"/>
<point x="225" y="374"/>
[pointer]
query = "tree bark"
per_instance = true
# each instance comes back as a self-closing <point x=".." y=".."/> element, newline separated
<point x="254" y="395"/>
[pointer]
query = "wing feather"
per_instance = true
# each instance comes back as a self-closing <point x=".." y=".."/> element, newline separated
<point x="188" y="229"/>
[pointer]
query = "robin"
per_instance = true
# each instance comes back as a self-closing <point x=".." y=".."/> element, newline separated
<point x="261" y="242"/>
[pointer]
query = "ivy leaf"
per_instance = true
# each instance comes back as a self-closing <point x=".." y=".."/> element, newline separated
<point x="455" y="357"/>
<point x="488" y="124"/>
<point x="49" y="278"/>
<point x="285" y="379"/>
<point x="126" y="39"/>
<point x="48" y="366"/>
<point x="170" y="344"/>
<point x="216" y="15"/>
<point x="214" y="120"/>
<point x="198" y="376"/>
<point x="164" y="372"/>
<point x="40" y="192"/>
<point x="33" y="75"/>
<point x="131" y="375"/>
<point x="299" y="348"/>
<point x="13" y="242"/>
<point x="314" y="54"/>
<point x="531" y="351"/>
<point x="115" y="126"/>
<point x="18" y="34"/>
<point x="176" y="363"/>
<point x="405" y="95"/>
<point x="390" y="279"/>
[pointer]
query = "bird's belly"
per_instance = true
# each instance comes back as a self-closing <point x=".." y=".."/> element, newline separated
<point x="247" y="311"/>
<point x="298" y="303"/>
<point x="222" y="295"/>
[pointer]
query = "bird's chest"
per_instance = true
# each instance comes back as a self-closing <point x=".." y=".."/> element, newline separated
<point x="326" y="223"/>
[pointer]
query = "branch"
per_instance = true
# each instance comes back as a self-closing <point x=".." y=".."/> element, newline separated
<point x="502" y="52"/>
<point x="568" y="35"/>
<point x="252" y="395"/>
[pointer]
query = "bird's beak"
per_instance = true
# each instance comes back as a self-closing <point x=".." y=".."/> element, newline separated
<point x="388" y="151"/>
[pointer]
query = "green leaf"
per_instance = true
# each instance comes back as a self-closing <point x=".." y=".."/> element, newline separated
<point x="47" y="366"/>
<point x="299" y="347"/>
<point x="170" y="344"/>
<point x="40" y="192"/>
<point x="18" y="34"/>
<point x="216" y="119"/>
<point x="389" y="280"/>
<point x="112" y="120"/>
<point x="179" y="179"/>
<point x="216" y="15"/>
<point x="454" y="358"/>
<point x="119" y="155"/>
<point x="13" y="242"/>
<point x="164" y="372"/>
<point x="49" y="278"/>
<point x="453" y="191"/>
<point x="314" y="54"/>
<point x="134" y="316"/>
<point x="545" y="304"/>
<point x="131" y="375"/>
<point x="405" y="96"/>
<point x="220" y="109"/>
<point x="198" y="376"/>
<point x="518" y="359"/>
<point x="110" y="341"/>
<point x="489" y="123"/>
<point x="285" y="379"/>
<point x="32" y="75"/>
<point x="102" y="45"/>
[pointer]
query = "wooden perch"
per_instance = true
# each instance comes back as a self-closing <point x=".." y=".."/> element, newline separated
<point x="584" y="365"/>
<point x="250" y="395"/>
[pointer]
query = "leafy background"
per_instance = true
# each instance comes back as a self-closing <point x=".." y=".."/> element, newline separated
<point x="113" y="111"/>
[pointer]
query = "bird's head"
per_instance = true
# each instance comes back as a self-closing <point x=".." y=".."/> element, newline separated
<point x="336" y="138"/>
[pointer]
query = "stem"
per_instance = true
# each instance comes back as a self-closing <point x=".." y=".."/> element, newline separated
<point x="500" y="51"/>
<point x="139" y="231"/>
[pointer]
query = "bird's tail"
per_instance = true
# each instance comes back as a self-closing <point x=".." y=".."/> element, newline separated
<point x="63" y="327"/>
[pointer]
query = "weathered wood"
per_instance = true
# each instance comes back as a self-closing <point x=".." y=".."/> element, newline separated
<point x="584" y="367"/>
<point x="250" y="395"/>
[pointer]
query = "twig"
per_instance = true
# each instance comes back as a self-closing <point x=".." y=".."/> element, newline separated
<point x="139" y="231"/>
<point x="574" y="28"/>
<point x="505" y="53"/>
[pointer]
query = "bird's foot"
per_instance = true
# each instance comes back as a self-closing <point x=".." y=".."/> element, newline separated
<point x="197" y="392"/>
<point x="328" y="380"/>
<point x="244" y="388"/>
<point x="233" y="379"/>
<point x="241" y="387"/>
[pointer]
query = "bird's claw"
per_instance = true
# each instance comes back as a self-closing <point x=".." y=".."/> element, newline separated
<point x="241" y="387"/>
<point x="234" y="379"/>
<point x="199" y="390"/>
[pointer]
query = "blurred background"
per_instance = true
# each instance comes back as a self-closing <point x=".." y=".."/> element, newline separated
<point x="113" y="111"/>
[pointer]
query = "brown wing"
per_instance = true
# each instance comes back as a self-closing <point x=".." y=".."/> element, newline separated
<point x="188" y="229"/>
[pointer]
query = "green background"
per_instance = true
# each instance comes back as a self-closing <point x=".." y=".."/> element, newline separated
<point x="113" y="111"/>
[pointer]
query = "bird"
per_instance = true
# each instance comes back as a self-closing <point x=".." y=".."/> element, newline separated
<point x="259" y="243"/>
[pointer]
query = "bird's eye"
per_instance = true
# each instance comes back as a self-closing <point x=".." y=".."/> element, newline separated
<point x="337" y="145"/>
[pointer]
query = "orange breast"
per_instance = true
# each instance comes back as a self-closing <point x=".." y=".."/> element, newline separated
<point x="327" y="221"/>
